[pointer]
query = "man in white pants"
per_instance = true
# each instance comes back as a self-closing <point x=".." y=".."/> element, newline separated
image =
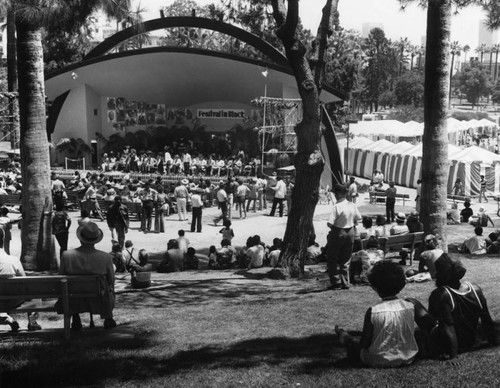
<point x="181" y="196"/>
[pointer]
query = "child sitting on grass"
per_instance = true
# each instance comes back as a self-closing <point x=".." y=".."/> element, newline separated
<point x="191" y="261"/>
<point x="388" y="332"/>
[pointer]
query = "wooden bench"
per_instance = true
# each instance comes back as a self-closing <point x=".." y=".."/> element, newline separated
<point x="49" y="287"/>
<point x="379" y="197"/>
<point x="10" y="200"/>
<point x="134" y="208"/>
<point x="393" y="243"/>
<point x="458" y="198"/>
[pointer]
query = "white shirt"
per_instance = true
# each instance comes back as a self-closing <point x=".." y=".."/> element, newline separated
<point x="10" y="266"/>
<point x="344" y="215"/>
<point x="279" y="189"/>
<point x="196" y="200"/>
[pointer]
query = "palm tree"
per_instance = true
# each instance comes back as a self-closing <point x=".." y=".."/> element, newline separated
<point x="31" y="16"/>
<point x="465" y="49"/>
<point x="435" y="137"/>
<point x="481" y="49"/>
<point x="496" y="50"/>
<point x="403" y="44"/>
<point x="455" y="49"/>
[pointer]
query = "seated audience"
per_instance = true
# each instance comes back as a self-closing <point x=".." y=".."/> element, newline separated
<point x="481" y="218"/>
<point x="476" y="244"/>
<point x="413" y="223"/>
<point x="400" y="227"/>
<point x="429" y="256"/>
<point x="388" y="338"/>
<point x="226" y="255"/>
<point x="492" y="243"/>
<point x="141" y="272"/>
<point x="212" y="257"/>
<point x="466" y="212"/>
<point x="455" y="309"/>
<point x="274" y="252"/>
<point x="173" y="260"/>
<point x="118" y="260"/>
<point x="182" y="241"/>
<point x="381" y="229"/>
<point x="191" y="261"/>
<point x="314" y="251"/>
<point x="453" y="216"/>
<point x="363" y="260"/>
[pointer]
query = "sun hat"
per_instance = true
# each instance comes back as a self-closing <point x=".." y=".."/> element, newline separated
<point x="89" y="233"/>
<point x="481" y="209"/>
<point x="401" y="217"/>
<point x="185" y="181"/>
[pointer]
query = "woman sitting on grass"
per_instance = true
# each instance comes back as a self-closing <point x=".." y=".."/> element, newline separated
<point x="388" y="338"/>
<point x="458" y="308"/>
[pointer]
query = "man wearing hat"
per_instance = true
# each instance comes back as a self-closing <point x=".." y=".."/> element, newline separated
<point x="86" y="260"/>
<point x="181" y="196"/>
<point x="117" y="219"/>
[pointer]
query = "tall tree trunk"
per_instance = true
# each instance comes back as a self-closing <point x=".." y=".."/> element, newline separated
<point x="37" y="252"/>
<point x="435" y="137"/>
<point x="496" y="66"/>
<point x="451" y="76"/>
<point x="308" y="160"/>
<point x="12" y="77"/>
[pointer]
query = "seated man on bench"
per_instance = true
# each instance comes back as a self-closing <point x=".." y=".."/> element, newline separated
<point x="86" y="260"/>
<point x="10" y="266"/>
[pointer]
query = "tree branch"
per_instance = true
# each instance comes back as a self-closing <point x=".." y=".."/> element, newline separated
<point x="329" y="21"/>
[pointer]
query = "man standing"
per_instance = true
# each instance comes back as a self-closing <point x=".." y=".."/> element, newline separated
<point x="58" y="191"/>
<point x="222" y="203"/>
<point x="482" y="190"/>
<point x="344" y="217"/>
<point x="86" y="260"/>
<point x="117" y="219"/>
<point x="148" y="198"/>
<point x="279" y="196"/>
<point x="197" y="207"/>
<point x="10" y="266"/>
<point x="352" y="192"/>
<point x="390" y="201"/>
<point x="181" y="196"/>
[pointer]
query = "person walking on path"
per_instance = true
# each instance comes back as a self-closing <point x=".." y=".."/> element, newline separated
<point x="60" y="227"/>
<point x="86" y="260"/>
<point x="222" y="203"/>
<point x="181" y="194"/>
<point x="390" y="201"/>
<point x="118" y="220"/>
<point x="279" y="196"/>
<point x="197" y="209"/>
<point x="345" y="215"/>
<point x="242" y="191"/>
<point x="482" y="191"/>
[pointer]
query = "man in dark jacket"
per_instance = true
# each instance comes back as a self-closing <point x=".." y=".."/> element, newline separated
<point x="117" y="219"/>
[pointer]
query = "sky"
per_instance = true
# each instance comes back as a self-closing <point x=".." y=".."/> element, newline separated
<point x="353" y="13"/>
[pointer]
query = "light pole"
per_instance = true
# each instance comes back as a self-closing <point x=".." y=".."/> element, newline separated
<point x="264" y="74"/>
<point x="348" y="121"/>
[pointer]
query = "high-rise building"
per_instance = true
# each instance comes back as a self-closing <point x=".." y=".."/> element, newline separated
<point x="367" y="27"/>
<point x="487" y="36"/>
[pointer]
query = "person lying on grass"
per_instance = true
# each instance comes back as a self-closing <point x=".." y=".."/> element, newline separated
<point x="388" y="338"/>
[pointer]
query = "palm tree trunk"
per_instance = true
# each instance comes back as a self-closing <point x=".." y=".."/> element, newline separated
<point x="435" y="137"/>
<point x="496" y="66"/>
<point x="12" y="77"/>
<point x="37" y="253"/>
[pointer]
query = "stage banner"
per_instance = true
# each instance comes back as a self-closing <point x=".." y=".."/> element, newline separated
<point x="220" y="114"/>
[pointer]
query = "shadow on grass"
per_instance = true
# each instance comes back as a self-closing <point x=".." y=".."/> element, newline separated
<point x="83" y="363"/>
<point x="206" y="291"/>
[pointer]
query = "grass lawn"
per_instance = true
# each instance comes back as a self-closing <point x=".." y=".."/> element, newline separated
<point x="237" y="329"/>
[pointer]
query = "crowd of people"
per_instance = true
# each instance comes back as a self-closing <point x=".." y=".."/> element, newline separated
<point x="390" y="337"/>
<point x="182" y="160"/>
